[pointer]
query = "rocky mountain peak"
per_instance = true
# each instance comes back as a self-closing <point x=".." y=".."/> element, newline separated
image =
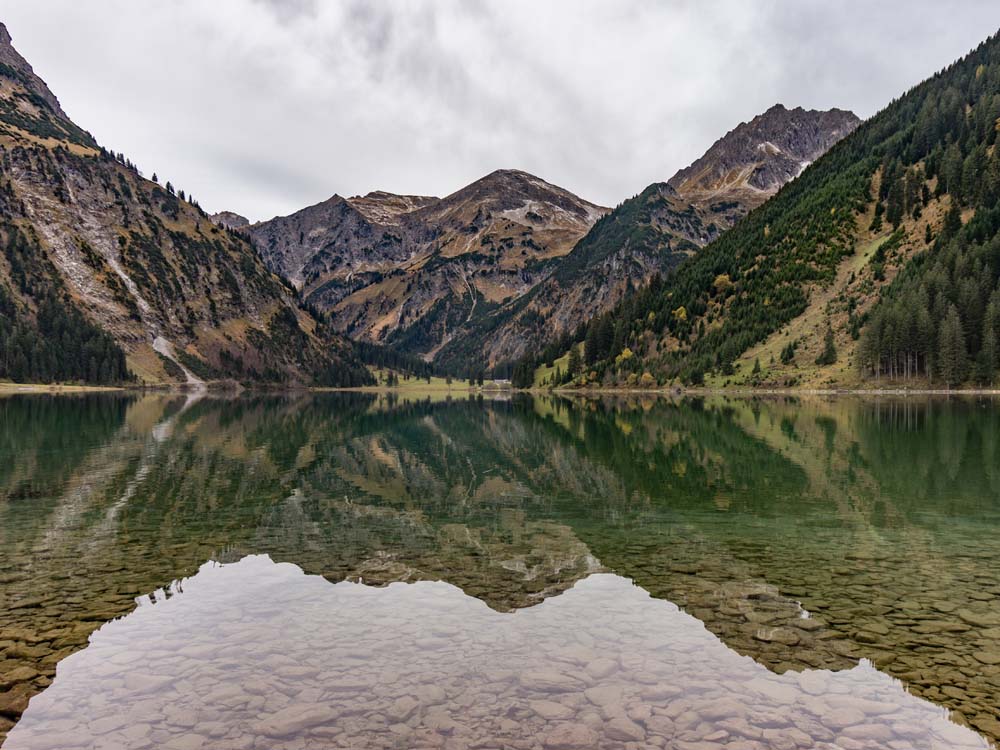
<point x="513" y="190"/>
<point x="390" y="267"/>
<point x="229" y="220"/>
<point x="382" y="207"/>
<point x="766" y="152"/>
<point x="16" y="69"/>
<point x="510" y="179"/>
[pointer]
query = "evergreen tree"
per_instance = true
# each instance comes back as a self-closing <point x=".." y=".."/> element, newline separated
<point x="574" y="361"/>
<point x="876" y="225"/>
<point x="986" y="362"/>
<point x="829" y="354"/>
<point x="894" y="204"/>
<point x="951" y="348"/>
<point x="952" y="220"/>
<point x="951" y="172"/>
<point x="590" y="345"/>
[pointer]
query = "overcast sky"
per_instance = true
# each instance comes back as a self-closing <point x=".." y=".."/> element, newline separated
<point x="265" y="106"/>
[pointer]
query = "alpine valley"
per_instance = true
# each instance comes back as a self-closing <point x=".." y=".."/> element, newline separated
<point x="802" y="248"/>
<point x="485" y="275"/>
<point x="714" y="468"/>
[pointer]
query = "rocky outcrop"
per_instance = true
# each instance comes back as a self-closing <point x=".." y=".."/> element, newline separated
<point x="756" y="158"/>
<point x="15" y="67"/>
<point x="388" y="208"/>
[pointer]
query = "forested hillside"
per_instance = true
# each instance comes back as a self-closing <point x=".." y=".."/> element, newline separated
<point x="55" y="343"/>
<point x="920" y="304"/>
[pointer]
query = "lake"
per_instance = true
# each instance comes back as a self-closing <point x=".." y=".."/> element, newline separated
<point x="357" y="571"/>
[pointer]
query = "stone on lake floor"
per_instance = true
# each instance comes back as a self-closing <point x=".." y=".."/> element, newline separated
<point x="294" y="719"/>
<point x="570" y="737"/>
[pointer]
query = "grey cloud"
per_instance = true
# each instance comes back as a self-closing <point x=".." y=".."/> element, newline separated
<point x="263" y="106"/>
<point x="287" y="10"/>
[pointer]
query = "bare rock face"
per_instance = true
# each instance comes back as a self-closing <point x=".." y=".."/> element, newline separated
<point x="387" y="209"/>
<point x="755" y="159"/>
<point x="327" y="242"/>
<point x="410" y="270"/>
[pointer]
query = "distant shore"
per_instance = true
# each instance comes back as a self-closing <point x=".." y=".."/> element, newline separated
<point x="57" y="388"/>
<point x="679" y="391"/>
<point x="464" y="389"/>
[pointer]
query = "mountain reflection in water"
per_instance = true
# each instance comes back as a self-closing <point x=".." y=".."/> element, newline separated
<point x="257" y="655"/>
<point x="879" y="518"/>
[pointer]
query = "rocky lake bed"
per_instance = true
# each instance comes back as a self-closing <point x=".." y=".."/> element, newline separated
<point x="256" y="655"/>
<point x="539" y="574"/>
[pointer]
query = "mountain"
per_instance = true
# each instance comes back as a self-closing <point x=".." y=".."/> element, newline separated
<point x="880" y="262"/>
<point x="409" y="271"/>
<point x="655" y="231"/>
<point x="106" y="276"/>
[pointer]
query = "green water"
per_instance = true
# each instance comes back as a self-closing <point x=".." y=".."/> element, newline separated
<point x="842" y="538"/>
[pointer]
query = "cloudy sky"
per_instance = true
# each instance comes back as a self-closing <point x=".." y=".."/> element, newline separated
<point x="265" y="106"/>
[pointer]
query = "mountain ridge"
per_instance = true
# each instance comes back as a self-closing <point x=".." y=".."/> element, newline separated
<point x="483" y="275"/>
<point x="655" y="231"/>
<point x="407" y="270"/>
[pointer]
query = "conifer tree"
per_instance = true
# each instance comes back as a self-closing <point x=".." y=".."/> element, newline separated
<point x="829" y="354"/>
<point x="951" y="348"/>
<point x="574" y="361"/>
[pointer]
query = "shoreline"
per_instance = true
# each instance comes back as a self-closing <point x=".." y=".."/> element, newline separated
<point x="67" y="388"/>
<point x="679" y="391"/>
<point x="59" y="388"/>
